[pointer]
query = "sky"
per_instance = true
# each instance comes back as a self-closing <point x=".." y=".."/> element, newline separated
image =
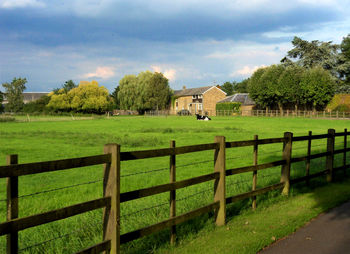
<point x="192" y="42"/>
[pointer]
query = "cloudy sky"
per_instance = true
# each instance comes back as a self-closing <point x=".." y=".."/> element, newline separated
<point x="192" y="42"/>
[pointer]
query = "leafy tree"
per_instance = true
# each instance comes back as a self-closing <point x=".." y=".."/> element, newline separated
<point x="67" y="86"/>
<point x="228" y="88"/>
<point x="317" y="86"/>
<point x="143" y="92"/>
<point x="273" y="93"/>
<point x="289" y="83"/>
<point x="344" y="60"/>
<point x="314" y="53"/>
<point x="241" y="87"/>
<point x="343" y="89"/>
<point x="88" y="97"/>
<point x="264" y="88"/>
<point x="128" y="92"/>
<point x="1" y="100"/>
<point x="14" y="94"/>
<point x="256" y="88"/>
<point x="115" y="98"/>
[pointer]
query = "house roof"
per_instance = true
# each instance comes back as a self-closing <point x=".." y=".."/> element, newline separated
<point x="239" y="97"/>
<point x="29" y="96"/>
<point x="193" y="91"/>
<point x="33" y="96"/>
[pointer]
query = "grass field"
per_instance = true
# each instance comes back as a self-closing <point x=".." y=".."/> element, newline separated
<point x="52" y="140"/>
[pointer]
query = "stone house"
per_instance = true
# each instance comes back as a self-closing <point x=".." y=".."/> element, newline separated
<point x="247" y="104"/>
<point x="201" y="100"/>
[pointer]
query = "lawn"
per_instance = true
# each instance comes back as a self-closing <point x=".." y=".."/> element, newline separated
<point x="52" y="140"/>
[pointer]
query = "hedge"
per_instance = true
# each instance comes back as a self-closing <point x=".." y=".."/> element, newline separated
<point x="235" y="106"/>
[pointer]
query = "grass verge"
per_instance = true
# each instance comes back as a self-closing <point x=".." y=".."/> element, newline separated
<point x="250" y="231"/>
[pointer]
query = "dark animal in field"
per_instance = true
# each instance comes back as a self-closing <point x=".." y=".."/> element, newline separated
<point x="203" y="118"/>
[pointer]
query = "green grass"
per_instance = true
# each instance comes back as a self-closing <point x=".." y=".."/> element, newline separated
<point x="51" y="140"/>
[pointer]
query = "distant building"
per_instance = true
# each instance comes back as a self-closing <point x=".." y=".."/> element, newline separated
<point x="201" y="100"/>
<point x="29" y="97"/>
<point x="247" y="104"/>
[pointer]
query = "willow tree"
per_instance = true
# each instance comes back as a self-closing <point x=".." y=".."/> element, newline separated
<point x="146" y="91"/>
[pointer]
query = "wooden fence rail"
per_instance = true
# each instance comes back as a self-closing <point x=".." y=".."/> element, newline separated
<point x="284" y="113"/>
<point x="112" y="198"/>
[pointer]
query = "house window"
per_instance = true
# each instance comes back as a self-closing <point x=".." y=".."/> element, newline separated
<point x="193" y="97"/>
<point x="200" y="106"/>
<point x="200" y="96"/>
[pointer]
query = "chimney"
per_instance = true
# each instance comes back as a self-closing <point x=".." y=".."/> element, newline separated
<point x="184" y="87"/>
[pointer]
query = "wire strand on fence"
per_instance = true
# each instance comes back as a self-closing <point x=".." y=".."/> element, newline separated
<point x="167" y="168"/>
<point x="145" y="172"/>
<point x="163" y="204"/>
<point x="145" y="209"/>
<point x="60" y="188"/>
<point x="55" y="238"/>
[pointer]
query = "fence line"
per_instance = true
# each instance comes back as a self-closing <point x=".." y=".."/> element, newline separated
<point x="285" y="113"/>
<point x="113" y="198"/>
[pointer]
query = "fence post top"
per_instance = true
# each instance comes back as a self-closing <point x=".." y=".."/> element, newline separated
<point x="288" y="134"/>
<point x="112" y="144"/>
<point x="330" y="131"/>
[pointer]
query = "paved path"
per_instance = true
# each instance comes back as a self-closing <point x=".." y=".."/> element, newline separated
<point x="328" y="234"/>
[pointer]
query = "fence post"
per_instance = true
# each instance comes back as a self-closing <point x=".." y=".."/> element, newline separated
<point x="111" y="188"/>
<point x="255" y="173"/>
<point x="308" y="158"/>
<point x="287" y="154"/>
<point x="345" y="146"/>
<point x="330" y="156"/>
<point x="12" y="205"/>
<point x="219" y="184"/>
<point x="173" y="192"/>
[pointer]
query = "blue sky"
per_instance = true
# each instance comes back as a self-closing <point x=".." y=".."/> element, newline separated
<point x="192" y="42"/>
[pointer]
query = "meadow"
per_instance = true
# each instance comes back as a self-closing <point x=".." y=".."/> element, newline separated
<point x="45" y="139"/>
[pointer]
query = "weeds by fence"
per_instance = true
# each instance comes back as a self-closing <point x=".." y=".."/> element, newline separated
<point x="221" y="178"/>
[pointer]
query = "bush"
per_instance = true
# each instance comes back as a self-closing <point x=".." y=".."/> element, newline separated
<point x="343" y="108"/>
<point x="235" y="106"/>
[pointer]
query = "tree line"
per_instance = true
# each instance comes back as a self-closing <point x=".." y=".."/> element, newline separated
<point x="307" y="77"/>
<point x="141" y="92"/>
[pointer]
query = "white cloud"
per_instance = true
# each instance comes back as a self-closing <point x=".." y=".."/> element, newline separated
<point x="246" y="71"/>
<point x="168" y="73"/>
<point x="103" y="72"/>
<point x="11" y="4"/>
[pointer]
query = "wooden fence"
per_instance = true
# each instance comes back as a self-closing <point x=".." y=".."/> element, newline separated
<point x="286" y="113"/>
<point x="113" y="198"/>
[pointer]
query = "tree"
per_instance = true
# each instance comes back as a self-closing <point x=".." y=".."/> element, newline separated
<point x="88" y="97"/>
<point x="317" y="87"/>
<point x="241" y="87"/>
<point x="14" y="94"/>
<point x="143" y="92"/>
<point x="128" y="92"/>
<point x="274" y="94"/>
<point x="264" y="88"/>
<point x="228" y="87"/>
<point x="289" y="83"/>
<point x="256" y="89"/>
<point x="67" y="86"/>
<point x="1" y="100"/>
<point x="115" y="98"/>
<point x="314" y="53"/>
<point x="344" y="60"/>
